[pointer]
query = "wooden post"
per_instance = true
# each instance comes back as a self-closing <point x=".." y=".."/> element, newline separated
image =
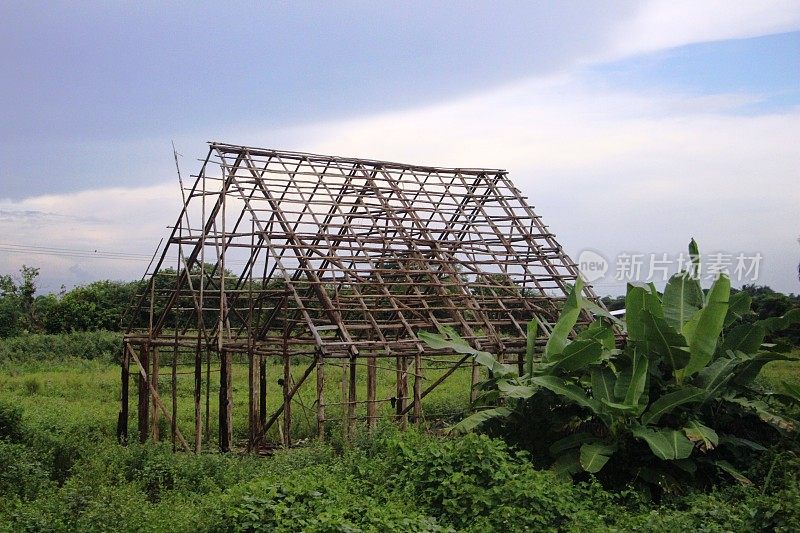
<point x="402" y="390"/>
<point x="417" y="388"/>
<point x="320" y="395"/>
<point x="225" y="402"/>
<point x="476" y="377"/>
<point x="122" y="420"/>
<point x="287" y="400"/>
<point x="174" y="422"/>
<point x="254" y="388"/>
<point x="351" y="400"/>
<point x="144" y="395"/>
<point x="287" y="380"/>
<point x="343" y="403"/>
<point x="262" y="397"/>
<point x="372" y="385"/>
<point x="155" y="414"/>
<point x="198" y="394"/>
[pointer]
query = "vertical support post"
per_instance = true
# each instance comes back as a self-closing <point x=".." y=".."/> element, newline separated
<point x="351" y="396"/>
<point x="372" y="385"/>
<point x="320" y="395"/>
<point x="417" y="388"/>
<point x="343" y="403"/>
<point x="225" y="401"/>
<point x="144" y="395"/>
<point x="155" y="413"/>
<point x="287" y="400"/>
<point x="174" y="422"/>
<point x="225" y="382"/>
<point x="254" y="388"/>
<point x="262" y="397"/>
<point x="253" y="359"/>
<point x="122" y="420"/>
<point x="198" y="394"/>
<point x="476" y="377"/>
<point x="402" y="391"/>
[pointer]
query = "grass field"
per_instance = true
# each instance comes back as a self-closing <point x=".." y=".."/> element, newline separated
<point x="63" y="471"/>
<point x="80" y="391"/>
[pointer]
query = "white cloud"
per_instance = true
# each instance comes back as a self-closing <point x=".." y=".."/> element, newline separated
<point x="662" y="24"/>
<point x="613" y="171"/>
<point x="84" y="226"/>
<point x="608" y="170"/>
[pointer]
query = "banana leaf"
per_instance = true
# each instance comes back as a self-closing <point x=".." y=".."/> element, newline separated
<point x="682" y="298"/>
<point x="667" y="444"/>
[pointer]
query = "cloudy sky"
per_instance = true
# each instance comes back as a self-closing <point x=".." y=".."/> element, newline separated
<point x="631" y="126"/>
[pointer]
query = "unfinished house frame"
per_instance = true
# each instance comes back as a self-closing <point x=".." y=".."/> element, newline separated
<point x="302" y="262"/>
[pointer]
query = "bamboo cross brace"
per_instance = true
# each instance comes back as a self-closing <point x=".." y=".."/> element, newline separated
<point x="156" y="397"/>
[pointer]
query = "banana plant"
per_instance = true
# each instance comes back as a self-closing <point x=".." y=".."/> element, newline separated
<point x="679" y="385"/>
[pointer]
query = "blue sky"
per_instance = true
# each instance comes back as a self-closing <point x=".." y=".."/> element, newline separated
<point x="603" y="112"/>
<point x="767" y="65"/>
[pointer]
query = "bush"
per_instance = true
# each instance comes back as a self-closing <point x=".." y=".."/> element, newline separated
<point x="317" y="498"/>
<point x="101" y="345"/>
<point x="10" y="421"/>
<point x="675" y="405"/>
<point x="477" y="483"/>
<point x="22" y="473"/>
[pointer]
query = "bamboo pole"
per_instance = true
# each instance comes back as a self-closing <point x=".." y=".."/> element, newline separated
<point x="372" y="386"/>
<point x="173" y="426"/>
<point x="156" y="364"/>
<point x="417" y="388"/>
<point x="144" y="395"/>
<point x="122" y="420"/>
<point x="198" y="395"/>
<point x="351" y="396"/>
<point x="287" y="400"/>
<point x="225" y="402"/>
<point x="344" y="404"/>
<point x="320" y="366"/>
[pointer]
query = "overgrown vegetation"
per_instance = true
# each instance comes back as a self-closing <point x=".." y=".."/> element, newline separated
<point x="690" y="425"/>
<point x="72" y="477"/>
<point x="93" y="307"/>
<point x="677" y="406"/>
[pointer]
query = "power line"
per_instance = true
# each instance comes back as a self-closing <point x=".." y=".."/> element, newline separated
<point x="50" y="249"/>
<point x="83" y="253"/>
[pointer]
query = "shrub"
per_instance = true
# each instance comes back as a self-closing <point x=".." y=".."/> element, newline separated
<point x="477" y="483"/>
<point x="32" y="386"/>
<point x="102" y="345"/>
<point x="22" y="473"/>
<point x="677" y="404"/>
<point x="10" y="421"/>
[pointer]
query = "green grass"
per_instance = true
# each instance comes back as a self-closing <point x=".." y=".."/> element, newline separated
<point x="72" y="392"/>
<point x="65" y="472"/>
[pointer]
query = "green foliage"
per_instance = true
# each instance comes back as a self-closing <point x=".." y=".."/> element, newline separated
<point x="10" y="421"/>
<point x="101" y="345"/>
<point x="17" y="314"/>
<point x="64" y="472"/>
<point x="766" y="303"/>
<point x="97" y="306"/>
<point x="677" y="404"/>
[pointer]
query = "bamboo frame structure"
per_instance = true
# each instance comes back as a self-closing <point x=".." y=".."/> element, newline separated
<point x="318" y="261"/>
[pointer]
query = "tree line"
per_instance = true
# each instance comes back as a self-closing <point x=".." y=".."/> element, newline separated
<point x="101" y="304"/>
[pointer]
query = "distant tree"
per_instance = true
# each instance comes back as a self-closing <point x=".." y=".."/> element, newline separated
<point x="770" y="303"/>
<point x="17" y="312"/>
<point x="98" y="305"/>
<point x="613" y="303"/>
